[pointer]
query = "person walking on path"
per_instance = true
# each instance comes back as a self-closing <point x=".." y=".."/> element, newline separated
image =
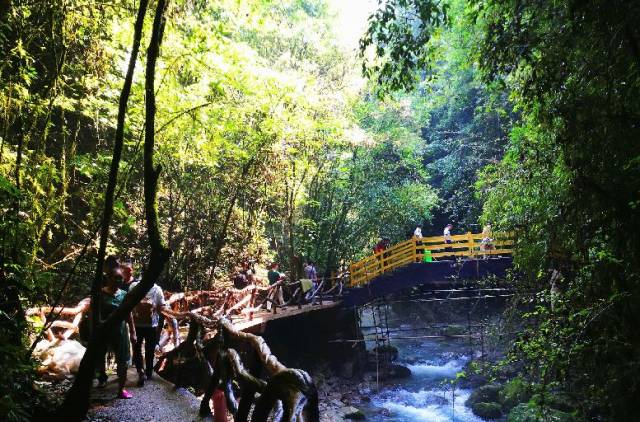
<point x="146" y="316"/>
<point x="117" y="339"/>
<point x="312" y="275"/>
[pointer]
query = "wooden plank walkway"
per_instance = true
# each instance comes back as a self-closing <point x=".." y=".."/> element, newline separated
<point x="241" y="323"/>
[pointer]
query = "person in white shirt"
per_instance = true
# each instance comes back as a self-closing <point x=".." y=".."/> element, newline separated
<point x="447" y="237"/>
<point x="417" y="234"/>
<point x="447" y="233"/>
<point x="146" y="316"/>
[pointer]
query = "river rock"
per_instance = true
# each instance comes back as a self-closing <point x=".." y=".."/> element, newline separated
<point x="485" y="394"/>
<point x="353" y="413"/>
<point x="487" y="410"/>
<point x="398" y="371"/>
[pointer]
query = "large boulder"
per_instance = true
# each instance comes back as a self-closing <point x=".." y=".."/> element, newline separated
<point x="353" y="413"/>
<point x="398" y="371"/>
<point x="59" y="358"/>
<point x="486" y="394"/>
<point x="487" y="410"/>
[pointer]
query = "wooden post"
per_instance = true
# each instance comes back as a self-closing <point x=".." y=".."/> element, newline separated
<point x="471" y="244"/>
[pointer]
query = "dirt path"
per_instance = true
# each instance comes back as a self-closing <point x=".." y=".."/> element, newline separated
<point x="156" y="401"/>
<point x="159" y="401"/>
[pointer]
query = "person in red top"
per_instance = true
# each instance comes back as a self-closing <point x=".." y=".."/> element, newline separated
<point x="380" y="247"/>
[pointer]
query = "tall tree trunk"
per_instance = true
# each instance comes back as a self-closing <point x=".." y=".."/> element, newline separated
<point x="115" y="162"/>
<point x="76" y="402"/>
<point x="221" y="238"/>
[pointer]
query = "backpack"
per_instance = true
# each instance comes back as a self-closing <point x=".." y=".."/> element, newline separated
<point x="143" y="312"/>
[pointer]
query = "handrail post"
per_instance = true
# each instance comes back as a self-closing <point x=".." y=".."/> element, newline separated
<point x="471" y="244"/>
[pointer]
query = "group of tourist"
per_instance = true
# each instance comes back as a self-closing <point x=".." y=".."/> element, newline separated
<point x="245" y="275"/>
<point x="486" y="243"/>
<point x="142" y="326"/>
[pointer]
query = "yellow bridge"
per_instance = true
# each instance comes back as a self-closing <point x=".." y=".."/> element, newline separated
<point x="414" y="250"/>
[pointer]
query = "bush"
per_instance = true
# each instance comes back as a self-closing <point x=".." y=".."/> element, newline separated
<point x="515" y="391"/>
<point x="529" y="412"/>
<point x="559" y="401"/>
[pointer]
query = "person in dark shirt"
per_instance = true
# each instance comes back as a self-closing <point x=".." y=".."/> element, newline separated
<point x="118" y="340"/>
<point x="244" y="276"/>
<point x="274" y="276"/>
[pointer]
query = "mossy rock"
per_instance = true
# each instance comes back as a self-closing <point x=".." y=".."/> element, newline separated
<point x="485" y="394"/>
<point x="487" y="410"/>
<point x="354" y="414"/>
<point x="515" y="391"/>
<point x="526" y="412"/>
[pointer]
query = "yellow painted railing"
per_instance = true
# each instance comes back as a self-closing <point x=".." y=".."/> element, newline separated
<point x="412" y="250"/>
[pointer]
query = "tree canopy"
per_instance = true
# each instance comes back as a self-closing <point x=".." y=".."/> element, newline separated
<point x="568" y="184"/>
<point x="279" y="143"/>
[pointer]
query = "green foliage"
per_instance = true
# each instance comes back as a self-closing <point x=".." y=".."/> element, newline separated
<point x="569" y="182"/>
<point x="526" y="412"/>
<point x="514" y="392"/>
<point x="400" y="34"/>
<point x="375" y="187"/>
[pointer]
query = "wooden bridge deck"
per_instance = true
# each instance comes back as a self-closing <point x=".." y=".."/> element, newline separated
<point x="440" y="274"/>
<point x="262" y="317"/>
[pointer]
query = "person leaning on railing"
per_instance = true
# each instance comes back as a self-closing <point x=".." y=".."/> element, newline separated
<point x="274" y="276"/>
<point x="377" y="250"/>
<point x="417" y="235"/>
<point x="486" y="244"/>
<point x="447" y="237"/>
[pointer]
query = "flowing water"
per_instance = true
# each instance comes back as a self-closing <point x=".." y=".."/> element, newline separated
<point x="428" y="394"/>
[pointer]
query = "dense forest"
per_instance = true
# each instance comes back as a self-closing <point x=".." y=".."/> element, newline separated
<point x="278" y="141"/>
